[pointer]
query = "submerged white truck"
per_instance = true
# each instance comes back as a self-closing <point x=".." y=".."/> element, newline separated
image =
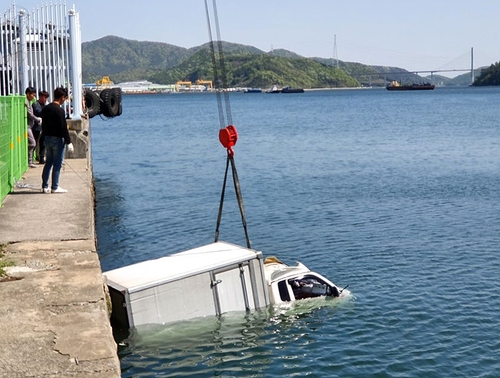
<point x="209" y="280"/>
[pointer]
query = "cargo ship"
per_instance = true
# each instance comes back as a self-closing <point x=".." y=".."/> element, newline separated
<point x="395" y="86"/>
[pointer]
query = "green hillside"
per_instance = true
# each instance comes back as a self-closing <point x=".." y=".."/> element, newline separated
<point x="124" y="59"/>
<point x="246" y="66"/>
<point x="489" y="76"/>
<point x="263" y="70"/>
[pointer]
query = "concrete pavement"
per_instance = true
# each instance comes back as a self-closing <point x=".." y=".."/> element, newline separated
<point x="53" y="311"/>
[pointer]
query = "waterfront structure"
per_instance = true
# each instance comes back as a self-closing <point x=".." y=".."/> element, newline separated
<point x="42" y="49"/>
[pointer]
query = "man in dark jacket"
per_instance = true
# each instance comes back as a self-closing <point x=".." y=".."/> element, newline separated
<point x="37" y="128"/>
<point x="56" y="137"/>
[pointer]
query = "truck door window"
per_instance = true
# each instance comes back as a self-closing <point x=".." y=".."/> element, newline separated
<point x="283" y="289"/>
<point x="309" y="286"/>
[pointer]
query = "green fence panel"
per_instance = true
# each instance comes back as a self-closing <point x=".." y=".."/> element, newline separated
<point x="21" y="133"/>
<point x="13" y="142"/>
<point x="5" y="132"/>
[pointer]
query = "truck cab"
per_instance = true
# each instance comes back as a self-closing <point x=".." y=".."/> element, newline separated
<point x="290" y="283"/>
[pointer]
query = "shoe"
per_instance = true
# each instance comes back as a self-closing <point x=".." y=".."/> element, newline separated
<point x="31" y="165"/>
<point x="59" y="190"/>
<point x="46" y="190"/>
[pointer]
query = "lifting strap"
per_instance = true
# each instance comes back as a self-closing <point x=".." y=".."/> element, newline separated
<point x="227" y="134"/>
<point x="239" y="197"/>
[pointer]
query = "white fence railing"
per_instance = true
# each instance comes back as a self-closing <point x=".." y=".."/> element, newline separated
<point x="42" y="49"/>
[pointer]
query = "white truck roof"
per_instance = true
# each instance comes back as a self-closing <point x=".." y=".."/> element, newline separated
<point x="179" y="265"/>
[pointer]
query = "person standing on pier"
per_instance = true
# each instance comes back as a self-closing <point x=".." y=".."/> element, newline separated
<point x="32" y="120"/>
<point x="37" y="128"/>
<point x="56" y="138"/>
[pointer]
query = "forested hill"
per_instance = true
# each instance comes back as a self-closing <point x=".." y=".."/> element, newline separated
<point x="162" y="63"/>
<point x="128" y="60"/>
<point x="489" y="76"/>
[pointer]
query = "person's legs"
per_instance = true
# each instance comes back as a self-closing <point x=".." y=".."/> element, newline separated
<point x="49" y="154"/>
<point x="58" y="157"/>
<point x="41" y="149"/>
<point x="31" y="147"/>
<point x="36" y="135"/>
<point x="40" y="146"/>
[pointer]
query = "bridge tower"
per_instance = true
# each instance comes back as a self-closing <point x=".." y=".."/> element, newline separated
<point x="472" y="65"/>
<point x="335" y="55"/>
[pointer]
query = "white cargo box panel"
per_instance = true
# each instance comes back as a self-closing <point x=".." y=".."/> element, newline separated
<point x="208" y="280"/>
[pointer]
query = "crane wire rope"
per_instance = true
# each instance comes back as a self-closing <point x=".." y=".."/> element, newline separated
<point x="227" y="134"/>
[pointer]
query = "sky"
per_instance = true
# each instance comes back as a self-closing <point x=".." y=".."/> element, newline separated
<point x="416" y="35"/>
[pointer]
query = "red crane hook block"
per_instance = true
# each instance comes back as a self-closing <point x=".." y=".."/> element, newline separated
<point x="228" y="138"/>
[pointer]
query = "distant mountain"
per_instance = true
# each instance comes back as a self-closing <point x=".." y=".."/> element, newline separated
<point x="163" y="63"/>
<point x="258" y="70"/>
<point x="230" y="48"/>
<point x="285" y="54"/>
<point x="129" y="59"/>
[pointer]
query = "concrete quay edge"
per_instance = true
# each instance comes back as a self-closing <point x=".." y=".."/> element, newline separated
<point x="53" y="310"/>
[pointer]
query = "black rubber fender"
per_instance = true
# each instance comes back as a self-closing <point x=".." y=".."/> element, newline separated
<point x="118" y="92"/>
<point x="92" y="102"/>
<point x="110" y="106"/>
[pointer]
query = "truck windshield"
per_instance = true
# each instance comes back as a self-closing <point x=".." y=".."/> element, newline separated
<point x="310" y="286"/>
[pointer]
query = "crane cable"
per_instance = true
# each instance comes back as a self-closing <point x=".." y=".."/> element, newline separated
<point x="227" y="134"/>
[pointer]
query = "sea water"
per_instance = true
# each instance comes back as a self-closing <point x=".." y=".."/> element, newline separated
<point x="395" y="194"/>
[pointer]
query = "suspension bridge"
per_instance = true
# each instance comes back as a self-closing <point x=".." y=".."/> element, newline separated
<point x="415" y="75"/>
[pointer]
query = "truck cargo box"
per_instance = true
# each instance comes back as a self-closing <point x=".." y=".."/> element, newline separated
<point x="208" y="280"/>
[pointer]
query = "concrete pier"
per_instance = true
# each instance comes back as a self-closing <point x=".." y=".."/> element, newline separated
<point x="53" y="311"/>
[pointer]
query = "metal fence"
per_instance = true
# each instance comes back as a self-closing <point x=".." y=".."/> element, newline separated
<point x="42" y="49"/>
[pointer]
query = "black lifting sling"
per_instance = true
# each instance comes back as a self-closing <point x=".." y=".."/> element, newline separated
<point x="227" y="134"/>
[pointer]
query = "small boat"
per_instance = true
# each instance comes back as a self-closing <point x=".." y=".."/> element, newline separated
<point x="252" y="90"/>
<point x="292" y="90"/>
<point x="395" y="86"/>
<point x="290" y="283"/>
<point x="273" y="89"/>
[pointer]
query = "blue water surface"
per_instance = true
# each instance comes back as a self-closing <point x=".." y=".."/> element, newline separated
<point x="395" y="194"/>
